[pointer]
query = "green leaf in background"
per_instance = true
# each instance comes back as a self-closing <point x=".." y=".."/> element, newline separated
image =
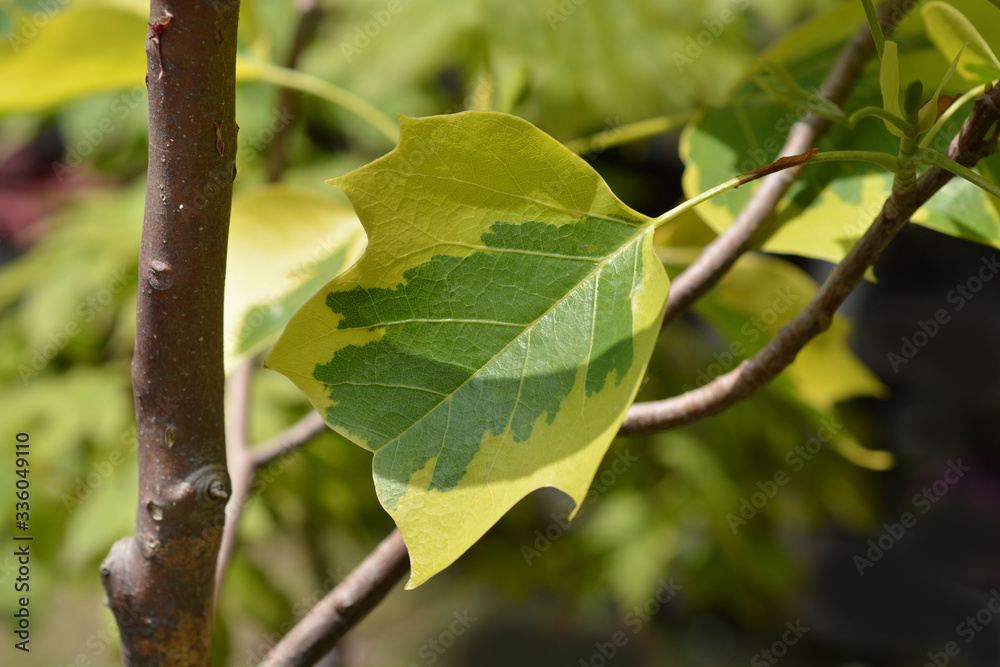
<point x="783" y="87"/>
<point x="73" y="53"/>
<point x="950" y="31"/>
<point x="830" y="205"/>
<point x="565" y="65"/>
<point x="493" y="335"/>
<point x="284" y="244"/>
<point x="762" y="294"/>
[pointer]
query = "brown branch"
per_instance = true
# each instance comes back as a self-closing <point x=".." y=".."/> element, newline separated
<point x="720" y="255"/>
<point x="316" y="634"/>
<point x="160" y="582"/>
<point x="970" y="146"/>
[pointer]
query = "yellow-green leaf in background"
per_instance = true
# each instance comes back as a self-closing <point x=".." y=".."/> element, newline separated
<point x="757" y="297"/>
<point x="74" y="52"/>
<point x="828" y="208"/>
<point x="765" y="293"/>
<point x="951" y="31"/>
<point x="928" y="113"/>
<point x="752" y="301"/>
<point x="493" y="335"/>
<point x="284" y="244"/>
<point x="889" y="84"/>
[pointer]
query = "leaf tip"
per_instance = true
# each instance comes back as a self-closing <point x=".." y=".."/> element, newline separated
<point x="343" y="181"/>
<point x="404" y="123"/>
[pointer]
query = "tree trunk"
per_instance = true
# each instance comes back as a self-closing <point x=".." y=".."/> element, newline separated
<point x="160" y="582"/>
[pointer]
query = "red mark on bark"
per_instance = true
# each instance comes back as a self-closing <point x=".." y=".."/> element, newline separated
<point x="219" y="144"/>
<point x="156" y="28"/>
<point x="778" y="165"/>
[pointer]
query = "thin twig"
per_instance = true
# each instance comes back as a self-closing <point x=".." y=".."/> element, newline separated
<point x="239" y="404"/>
<point x="310" y="14"/>
<point x="307" y="83"/>
<point x="720" y="255"/>
<point x="289" y="440"/>
<point x="970" y="146"/>
<point x="246" y="462"/>
<point x="316" y="634"/>
<point x="240" y="463"/>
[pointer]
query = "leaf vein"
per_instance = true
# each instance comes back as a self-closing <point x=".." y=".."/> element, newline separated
<point x="545" y="204"/>
<point x="387" y="385"/>
<point x="641" y="231"/>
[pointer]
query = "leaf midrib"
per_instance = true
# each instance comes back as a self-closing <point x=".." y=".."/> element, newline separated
<point x="641" y="231"/>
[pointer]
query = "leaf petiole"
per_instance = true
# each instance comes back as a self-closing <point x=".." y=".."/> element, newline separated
<point x="623" y="134"/>
<point x="885" y="160"/>
<point x="932" y="157"/>
<point x="697" y="199"/>
<point x="879" y="112"/>
<point x="875" y="26"/>
<point x="307" y="83"/>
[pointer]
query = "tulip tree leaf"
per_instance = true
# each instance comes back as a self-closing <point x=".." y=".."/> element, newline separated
<point x="493" y="335"/>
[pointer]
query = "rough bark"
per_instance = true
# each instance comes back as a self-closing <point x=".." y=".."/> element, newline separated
<point x="160" y="582"/>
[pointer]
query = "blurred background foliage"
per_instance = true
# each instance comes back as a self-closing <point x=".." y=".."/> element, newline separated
<point x="854" y="435"/>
